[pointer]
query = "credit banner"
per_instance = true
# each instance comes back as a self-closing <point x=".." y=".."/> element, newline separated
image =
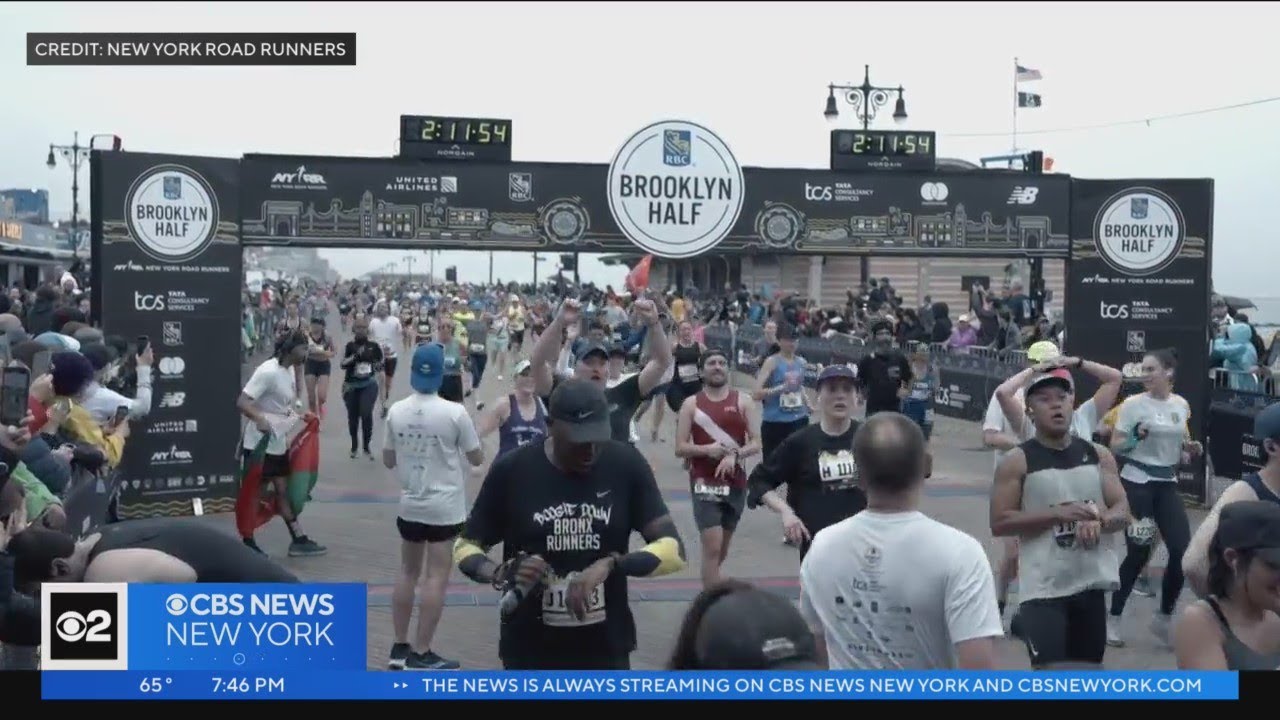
<point x="378" y="202"/>
<point x="225" y="629"/>
<point x="286" y="684"/>
<point x="168" y="266"/>
<point x="1139" y="281"/>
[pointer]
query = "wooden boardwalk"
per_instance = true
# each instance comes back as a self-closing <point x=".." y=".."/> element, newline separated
<point x="355" y="508"/>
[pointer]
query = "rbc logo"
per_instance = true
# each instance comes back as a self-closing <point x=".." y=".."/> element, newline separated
<point x="677" y="148"/>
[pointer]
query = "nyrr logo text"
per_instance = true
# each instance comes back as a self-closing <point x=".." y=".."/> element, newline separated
<point x="232" y="633"/>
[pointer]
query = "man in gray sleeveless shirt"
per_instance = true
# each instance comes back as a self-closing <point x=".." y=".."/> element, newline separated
<point x="1061" y="496"/>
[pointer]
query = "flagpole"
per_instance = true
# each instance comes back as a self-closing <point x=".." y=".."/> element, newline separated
<point x="1014" y="149"/>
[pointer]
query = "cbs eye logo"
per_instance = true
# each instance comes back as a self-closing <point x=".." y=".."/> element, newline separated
<point x="83" y="626"/>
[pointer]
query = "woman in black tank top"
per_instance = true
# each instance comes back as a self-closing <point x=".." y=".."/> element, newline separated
<point x="685" y="380"/>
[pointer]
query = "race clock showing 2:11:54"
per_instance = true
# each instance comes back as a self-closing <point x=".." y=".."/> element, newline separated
<point x="449" y="138"/>
<point x="882" y="150"/>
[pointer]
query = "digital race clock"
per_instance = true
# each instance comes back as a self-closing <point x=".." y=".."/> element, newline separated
<point x="447" y="138"/>
<point x="882" y="150"/>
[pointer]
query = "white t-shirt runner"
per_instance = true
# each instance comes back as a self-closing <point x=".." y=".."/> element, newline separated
<point x="388" y="333"/>
<point x="272" y="389"/>
<point x="430" y="435"/>
<point x="1084" y="421"/>
<point x="897" y="591"/>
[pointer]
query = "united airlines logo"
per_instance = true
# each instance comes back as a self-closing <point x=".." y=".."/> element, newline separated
<point x="677" y="148"/>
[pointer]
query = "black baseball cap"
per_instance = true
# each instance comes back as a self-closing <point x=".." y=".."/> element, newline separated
<point x="582" y="407"/>
<point x="1253" y="526"/>
<point x="754" y="629"/>
<point x="592" y="348"/>
<point x="832" y="372"/>
<point x="1266" y="424"/>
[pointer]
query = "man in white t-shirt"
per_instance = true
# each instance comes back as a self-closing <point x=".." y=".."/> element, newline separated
<point x="891" y="588"/>
<point x="427" y="438"/>
<point x="385" y="329"/>
<point x="270" y="402"/>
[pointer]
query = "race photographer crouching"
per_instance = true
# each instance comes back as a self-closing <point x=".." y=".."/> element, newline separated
<point x="564" y="510"/>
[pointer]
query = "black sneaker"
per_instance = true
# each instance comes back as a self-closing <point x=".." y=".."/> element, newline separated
<point x="306" y="547"/>
<point x="430" y="661"/>
<point x="253" y="545"/>
<point x="400" y="652"/>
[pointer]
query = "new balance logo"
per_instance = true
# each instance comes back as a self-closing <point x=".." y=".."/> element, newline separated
<point x="1023" y="195"/>
<point x="173" y="400"/>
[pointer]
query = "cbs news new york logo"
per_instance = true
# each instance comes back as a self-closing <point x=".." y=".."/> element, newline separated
<point x="84" y="626"/>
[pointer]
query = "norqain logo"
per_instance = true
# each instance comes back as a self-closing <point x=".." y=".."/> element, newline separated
<point x="1139" y="231"/>
<point x="171" y="213"/>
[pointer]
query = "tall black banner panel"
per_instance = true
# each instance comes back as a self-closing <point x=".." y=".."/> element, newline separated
<point x="168" y="265"/>
<point x="1139" y="280"/>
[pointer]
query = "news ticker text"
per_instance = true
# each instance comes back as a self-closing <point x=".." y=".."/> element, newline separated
<point x="176" y="49"/>
<point x="641" y="685"/>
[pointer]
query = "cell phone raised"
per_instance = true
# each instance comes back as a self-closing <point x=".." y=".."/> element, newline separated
<point x="15" y="387"/>
<point x="122" y="414"/>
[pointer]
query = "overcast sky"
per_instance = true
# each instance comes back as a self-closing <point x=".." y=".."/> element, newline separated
<point x="578" y="79"/>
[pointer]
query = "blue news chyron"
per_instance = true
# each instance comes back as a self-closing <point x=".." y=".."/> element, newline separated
<point x="226" y="629"/>
<point x="292" y="684"/>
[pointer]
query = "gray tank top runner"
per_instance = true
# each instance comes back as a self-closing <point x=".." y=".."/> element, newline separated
<point x="1241" y="656"/>
<point x="1054" y="564"/>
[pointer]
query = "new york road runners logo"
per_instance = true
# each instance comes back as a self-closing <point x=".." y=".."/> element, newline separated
<point x="172" y="213"/>
<point x="1139" y="231"/>
<point x="675" y="189"/>
<point x="84" y="626"/>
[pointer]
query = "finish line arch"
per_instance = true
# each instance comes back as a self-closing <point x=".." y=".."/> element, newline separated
<point x="168" y="259"/>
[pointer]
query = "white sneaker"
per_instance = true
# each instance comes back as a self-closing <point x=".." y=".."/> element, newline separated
<point x="635" y="435"/>
<point x="1113" y="631"/>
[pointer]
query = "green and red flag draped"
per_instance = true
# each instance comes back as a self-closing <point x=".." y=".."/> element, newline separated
<point x="257" y="502"/>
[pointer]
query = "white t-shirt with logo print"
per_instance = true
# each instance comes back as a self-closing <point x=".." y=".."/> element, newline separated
<point x="430" y="436"/>
<point x="897" y="591"/>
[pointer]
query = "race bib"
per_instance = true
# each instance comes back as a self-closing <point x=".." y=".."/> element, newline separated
<point x="617" y="337"/>
<point x="477" y="348"/>
<point x="928" y="415"/>
<point x="364" y="369"/>
<point x="450" y="363"/>
<point x="837" y="467"/>
<point x="555" y="613"/>
<point x="1065" y="534"/>
<point x="688" y="372"/>
<point x="791" y="401"/>
<point x="424" y="329"/>
<point x="704" y="491"/>
<point x="1142" y="532"/>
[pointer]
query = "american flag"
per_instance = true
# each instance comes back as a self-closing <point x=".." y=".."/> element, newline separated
<point x="1026" y="74"/>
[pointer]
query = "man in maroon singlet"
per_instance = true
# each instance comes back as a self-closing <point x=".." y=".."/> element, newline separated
<point x="718" y="428"/>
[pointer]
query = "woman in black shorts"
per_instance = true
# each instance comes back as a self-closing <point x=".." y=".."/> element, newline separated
<point x="685" y="380"/>
<point x="319" y="366"/>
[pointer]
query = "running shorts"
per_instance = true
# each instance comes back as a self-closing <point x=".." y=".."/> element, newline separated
<point x="720" y="511"/>
<point x="416" y="532"/>
<point x="389" y="367"/>
<point x="1071" y="629"/>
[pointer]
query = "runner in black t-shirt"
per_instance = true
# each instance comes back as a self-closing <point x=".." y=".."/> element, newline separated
<point x="592" y="363"/>
<point x="564" y="510"/>
<point x="816" y="464"/>
<point x="884" y="373"/>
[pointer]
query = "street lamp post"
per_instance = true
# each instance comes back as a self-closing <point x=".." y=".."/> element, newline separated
<point x="866" y="99"/>
<point x="73" y="154"/>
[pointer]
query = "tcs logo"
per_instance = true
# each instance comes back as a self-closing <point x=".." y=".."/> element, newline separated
<point x="817" y="193"/>
<point x="1113" y="312"/>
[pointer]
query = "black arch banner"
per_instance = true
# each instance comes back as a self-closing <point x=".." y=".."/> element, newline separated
<point x="168" y="265"/>
<point x="1139" y="280"/>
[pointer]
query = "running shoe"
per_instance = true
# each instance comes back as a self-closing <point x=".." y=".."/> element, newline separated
<point x="400" y="653"/>
<point x="1113" y="631"/>
<point x="354" y="454"/>
<point x="1160" y="627"/>
<point x="368" y="454"/>
<point x="306" y="547"/>
<point x="430" y="661"/>
<point x="253" y="545"/>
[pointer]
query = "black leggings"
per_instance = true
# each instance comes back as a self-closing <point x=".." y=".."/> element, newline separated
<point x="360" y="402"/>
<point x="1161" y="502"/>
